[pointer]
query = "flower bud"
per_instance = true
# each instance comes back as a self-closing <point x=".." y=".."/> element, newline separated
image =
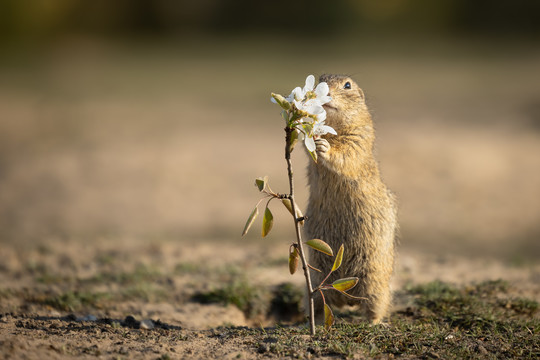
<point x="281" y="101"/>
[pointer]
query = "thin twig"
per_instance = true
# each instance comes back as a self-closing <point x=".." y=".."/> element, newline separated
<point x="314" y="268"/>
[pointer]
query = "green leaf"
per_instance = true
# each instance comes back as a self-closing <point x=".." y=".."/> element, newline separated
<point x="328" y="317"/>
<point x="250" y="220"/>
<point x="321" y="246"/>
<point x="339" y="259"/>
<point x="288" y="205"/>
<point x="293" y="140"/>
<point x="261" y="182"/>
<point x="345" y="284"/>
<point x="294" y="257"/>
<point x="268" y="222"/>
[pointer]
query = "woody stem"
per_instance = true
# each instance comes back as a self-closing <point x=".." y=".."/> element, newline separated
<point x="288" y="132"/>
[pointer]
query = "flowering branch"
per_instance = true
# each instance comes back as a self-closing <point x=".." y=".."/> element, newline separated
<point x="304" y="114"/>
<point x="304" y="117"/>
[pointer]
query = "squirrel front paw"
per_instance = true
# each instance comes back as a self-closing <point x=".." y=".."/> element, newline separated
<point x="322" y="146"/>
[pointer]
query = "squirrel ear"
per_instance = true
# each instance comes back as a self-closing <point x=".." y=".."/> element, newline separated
<point x="361" y="92"/>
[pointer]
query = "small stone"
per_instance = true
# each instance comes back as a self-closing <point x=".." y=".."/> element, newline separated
<point x="130" y="321"/>
<point x="146" y="324"/>
<point x="263" y="348"/>
<point x="86" y="318"/>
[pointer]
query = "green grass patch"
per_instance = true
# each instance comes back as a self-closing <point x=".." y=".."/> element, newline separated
<point x="188" y="268"/>
<point x="141" y="273"/>
<point x="73" y="300"/>
<point x="283" y="303"/>
<point x="475" y="308"/>
<point x="6" y="293"/>
<point x="143" y="283"/>
<point x="443" y="321"/>
<point x="247" y="297"/>
<point x="145" y="291"/>
<point x="287" y="302"/>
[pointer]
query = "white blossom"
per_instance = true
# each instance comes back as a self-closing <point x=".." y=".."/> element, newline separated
<point x="307" y="111"/>
<point x="319" y="128"/>
<point x="312" y="100"/>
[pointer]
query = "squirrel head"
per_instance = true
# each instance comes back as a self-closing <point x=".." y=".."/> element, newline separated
<point x="347" y="110"/>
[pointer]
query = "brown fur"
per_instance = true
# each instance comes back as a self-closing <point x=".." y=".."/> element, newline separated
<point x="349" y="204"/>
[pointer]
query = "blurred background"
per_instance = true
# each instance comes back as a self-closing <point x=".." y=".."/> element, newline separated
<point x="149" y="119"/>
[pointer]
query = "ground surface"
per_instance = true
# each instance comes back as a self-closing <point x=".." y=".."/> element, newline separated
<point x="134" y="300"/>
<point x="126" y="177"/>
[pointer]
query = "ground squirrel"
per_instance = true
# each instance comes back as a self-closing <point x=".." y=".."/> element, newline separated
<point x="349" y="204"/>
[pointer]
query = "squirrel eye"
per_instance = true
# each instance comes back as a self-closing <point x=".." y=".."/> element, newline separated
<point x="347" y="85"/>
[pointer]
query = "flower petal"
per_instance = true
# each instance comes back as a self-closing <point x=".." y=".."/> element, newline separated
<point x="314" y="107"/>
<point x="310" y="83"/>
<point x="290" y="98"/>
<point x="299" y="105"/>
<point x="325" y="129"/>
<point x="321" y="117"/>
<point x="322" y="90"/>
<point x="310" y="143"/>
<point x="298" y="94"/>
<point x="324" y="99"/>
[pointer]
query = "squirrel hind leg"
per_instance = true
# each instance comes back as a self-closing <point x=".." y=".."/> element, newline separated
<point x="377" y="306"/>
